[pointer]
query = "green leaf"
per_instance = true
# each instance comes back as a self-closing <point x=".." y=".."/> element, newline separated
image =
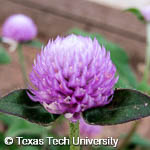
<point x="2" y="137"/>
<point x="18" y="103"/>
<point x="127" y="105"/>
<point x="137" y="13"/>
<point x="6" y="147"/>
<point x="7" y="120"/>
<point x="28" y="148"/>
<point x="138" y="140"/>
<point x="127" y="78"/>
<point x="4" y="57"/>
<point x="20" y="126"/>
<point x="34" y="43"/>
<point x="143" y="86"/>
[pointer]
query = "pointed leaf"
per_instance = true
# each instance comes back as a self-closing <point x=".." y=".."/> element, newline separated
<point x="137" y="13"/>
<point x="18" y="103"/>
<point x="127" y="105"/>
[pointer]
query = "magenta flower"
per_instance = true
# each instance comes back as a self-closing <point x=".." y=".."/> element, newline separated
<point x="90" y="131"/>
<point x="146" y="13"/>
<point x="19" y="27"/>
<point x="71" y="75"/>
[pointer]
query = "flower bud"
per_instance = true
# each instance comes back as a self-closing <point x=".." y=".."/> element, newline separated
<point x="19" y="27"/>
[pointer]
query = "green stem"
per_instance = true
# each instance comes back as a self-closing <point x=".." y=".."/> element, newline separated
<point x="74" y="133"/>
<point x="44" y="135"/>
<point x="147" y="56"/>
<point x="21" y="61"/>
<point x="129" y="135"/>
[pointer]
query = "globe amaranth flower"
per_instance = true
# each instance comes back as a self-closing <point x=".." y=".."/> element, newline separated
<point x="146" y="13"/>
<point x="19" y="27"/>
<point x="71" y="75"/>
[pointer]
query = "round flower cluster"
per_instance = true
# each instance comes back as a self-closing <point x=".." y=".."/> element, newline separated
<point x="19" y="27"/>
<point x="72" y="74"/>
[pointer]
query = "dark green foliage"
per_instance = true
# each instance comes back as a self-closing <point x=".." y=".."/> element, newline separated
<point x="127" y="105"/>
<point x="18" y="103"/>
<point x="137" y="13"/>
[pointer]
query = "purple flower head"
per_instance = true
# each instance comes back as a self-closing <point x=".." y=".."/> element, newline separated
<point x="19" y="27"/>
<point x="90" y="131"/>
<point x="146" y="13"/>
<point x="71" y="75"/>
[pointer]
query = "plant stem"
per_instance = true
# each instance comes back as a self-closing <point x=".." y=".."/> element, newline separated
<point x="147" y="56"/>
<point x="44" y="135"/>
<point x="21" y="61"/>
<point x="129" y="135"/>
<point x="74" y="133"/>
